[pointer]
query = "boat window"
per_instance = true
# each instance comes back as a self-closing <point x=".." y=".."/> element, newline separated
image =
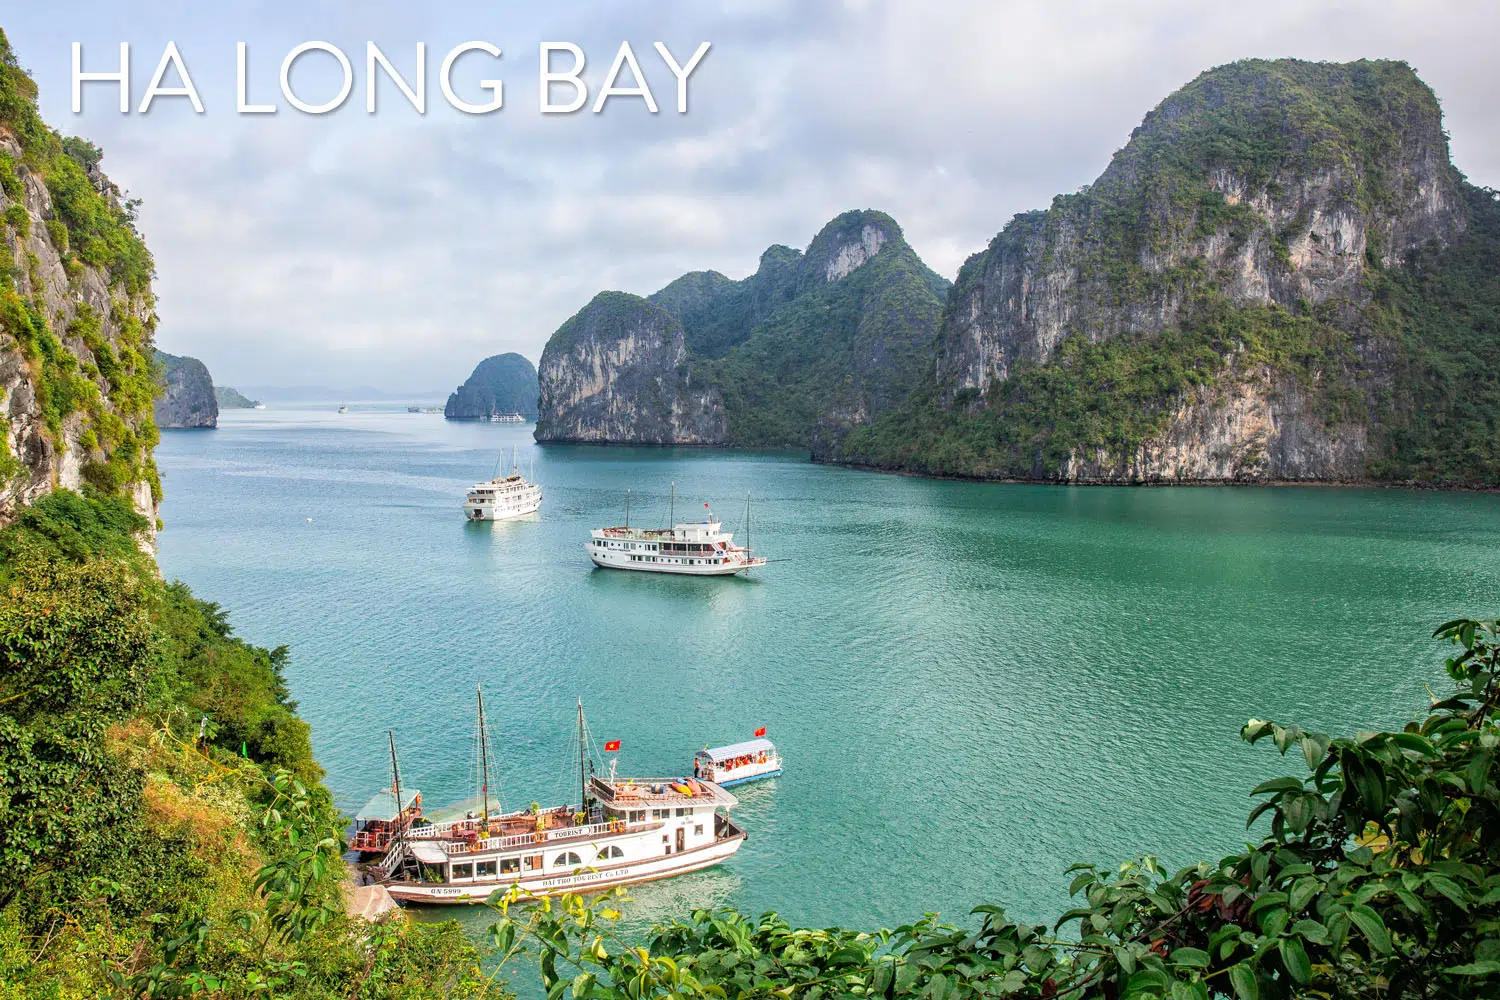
<point x="569" y="858"/>
<point x="463" y="871"/>
<point x="533" y="862"/>
<point x="638" y="816"/>
<point x="485" y="868"/>
<point x="510" y="866"/>
<point x="610" y="852"/>
<point x="684" y="812"/>
<point x="698" y="830"/>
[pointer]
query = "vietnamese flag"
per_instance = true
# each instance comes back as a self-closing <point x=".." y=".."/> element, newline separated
<point x="761" y="731"/>
<point x="612" y="746"/>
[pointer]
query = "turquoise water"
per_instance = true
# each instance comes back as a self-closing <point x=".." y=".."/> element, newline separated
<point x="973" y="685"/>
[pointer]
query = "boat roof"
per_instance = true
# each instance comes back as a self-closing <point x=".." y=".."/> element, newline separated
<point x="383" y="805"/>
<point x="631" y="793"/>
<point x="428" y="852"/>
<point x="717" y="754"/>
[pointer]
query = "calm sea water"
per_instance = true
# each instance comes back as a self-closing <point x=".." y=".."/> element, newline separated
<point x="973" y="685"/>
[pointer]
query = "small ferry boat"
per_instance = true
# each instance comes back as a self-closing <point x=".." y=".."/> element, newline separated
<point x="622" y="831"/>
<point x="382" y="818"/>
<point x="502" y="497"/>
<point x="701" y="548"/>
<point x="738" y="763"/>
<point x="505" y="418"/>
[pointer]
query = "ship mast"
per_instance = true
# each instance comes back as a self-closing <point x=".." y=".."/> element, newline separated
<point x="747" y="521"/>
<point x="583" y="755"/>
<point x="672" y="507"/>
<point x="484" y="760"/>
<point x="396" y="787"/>
<point x="627" y="524"/>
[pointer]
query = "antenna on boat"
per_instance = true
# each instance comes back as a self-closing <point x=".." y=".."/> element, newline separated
<point x="747" y="520"/>
<point x="484" y="760"/>
<point x="672" y="505"/>
<point x="627" y="524"/>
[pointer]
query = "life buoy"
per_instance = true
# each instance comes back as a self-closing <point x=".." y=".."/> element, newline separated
<point x="539" y="836"/>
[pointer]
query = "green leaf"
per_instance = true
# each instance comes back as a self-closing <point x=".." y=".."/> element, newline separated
<point x="1278" y="785"/>
<point x="1294" y="957"/>
<point x="1475" y="969"/>
<point x="1303" y="890"/>
<point x="1372" y="927"/>
<point x="1311" y="930"/>
<point x="1191" y="957"/>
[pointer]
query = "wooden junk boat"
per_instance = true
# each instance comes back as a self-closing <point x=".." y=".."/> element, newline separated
<point x="621" y="831"/>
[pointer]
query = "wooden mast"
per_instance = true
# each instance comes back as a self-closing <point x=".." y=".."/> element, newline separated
<point x="484" y="761"/>
<point x="583" y="753"/>
<point x="396" y="787"/>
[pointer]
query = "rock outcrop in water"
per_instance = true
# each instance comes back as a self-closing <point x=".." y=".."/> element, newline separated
<point x="617" y="372"/>
<point x="230" y="398"/>
<point x="1244" y="294"/>
<point x="806" y="347"/>
<point x="76" y="316"/>
<point x="505" y="383"/>
<point x="187" y="400"/>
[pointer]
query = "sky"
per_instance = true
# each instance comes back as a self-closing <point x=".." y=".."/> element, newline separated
<point x="396" y="250"/>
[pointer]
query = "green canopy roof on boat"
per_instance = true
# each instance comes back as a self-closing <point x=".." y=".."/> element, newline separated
<point x="383" y="806"/>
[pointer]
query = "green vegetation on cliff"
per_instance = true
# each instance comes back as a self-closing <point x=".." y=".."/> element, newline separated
<point x="832" y="354"/>
<point x="90" y="227"/>
<point x="137" y="859"/>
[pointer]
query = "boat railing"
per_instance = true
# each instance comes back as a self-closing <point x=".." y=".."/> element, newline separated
<point x="543" y="837"/>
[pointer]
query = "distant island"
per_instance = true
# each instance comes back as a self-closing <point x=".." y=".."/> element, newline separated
<point x="499" y="386"/>
<point x="187" y="399"/>
<point x="230" y="398"/>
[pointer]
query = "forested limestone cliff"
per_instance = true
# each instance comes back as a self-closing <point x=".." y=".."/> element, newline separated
<point x="809" y="345"/>
<point x="1280" y="277"/>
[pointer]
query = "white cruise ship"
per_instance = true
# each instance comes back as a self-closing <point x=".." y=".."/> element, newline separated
<point x="624" y="831"/>
<point x="702" y="548"/>
<point x="502" y="497"/>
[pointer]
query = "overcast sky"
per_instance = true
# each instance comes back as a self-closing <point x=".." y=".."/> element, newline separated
<point x="398" y="249"/>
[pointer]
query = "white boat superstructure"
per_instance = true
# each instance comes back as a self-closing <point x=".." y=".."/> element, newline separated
<point x="701" y="548"/>
<point x="624" y="831"/>
<point x="630" y="830"/>
<point x="502" y="497"/>
<point x="499" y="499"/>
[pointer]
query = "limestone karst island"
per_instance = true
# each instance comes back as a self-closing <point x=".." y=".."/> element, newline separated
<point x="474" y="552"/>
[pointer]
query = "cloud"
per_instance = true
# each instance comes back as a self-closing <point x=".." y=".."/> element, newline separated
<point x="397" y="250"/>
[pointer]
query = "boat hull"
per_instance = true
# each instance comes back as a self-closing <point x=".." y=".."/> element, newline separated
<point x="490" y="512"/>
<point x="748" y="778"/>
<point x="609" y="559"/>
<point x="580" y="880"/>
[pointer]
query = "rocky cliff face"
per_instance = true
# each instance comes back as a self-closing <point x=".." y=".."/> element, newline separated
<point x="807" y="346"/>
<point x="1221" y="277"/>
<point x="76" y="315"/>
<point x="187" y="400"/>
<point x="616" y="373"/>
<point x="503" y="384"/>
<point x="1257" y="180"/>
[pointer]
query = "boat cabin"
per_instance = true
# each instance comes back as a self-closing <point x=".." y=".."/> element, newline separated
<point x="738" y="762"/>
<point x="377" y="823"/>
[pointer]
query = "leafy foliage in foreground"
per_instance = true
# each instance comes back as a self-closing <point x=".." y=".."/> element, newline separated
<point x="136" y="857"/>
<point x="1380" y="878"/>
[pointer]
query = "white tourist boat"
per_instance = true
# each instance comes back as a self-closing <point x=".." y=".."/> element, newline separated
<point x="625" y="830"/>
<point x="738" y="763"/>
<point x="502" y="497"/>
<point x="701" y="548"/>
